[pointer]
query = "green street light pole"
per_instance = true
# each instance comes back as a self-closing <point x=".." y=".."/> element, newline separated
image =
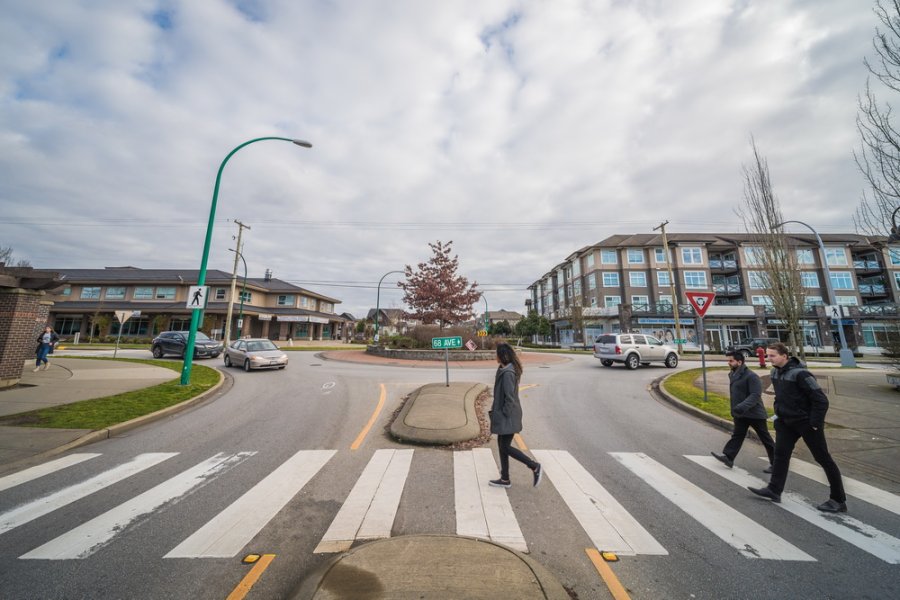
<point x="243" y="290"/>
<point x="846" y="354"/>
<point x="378" y="301"/>
<point x="201" y="278"/>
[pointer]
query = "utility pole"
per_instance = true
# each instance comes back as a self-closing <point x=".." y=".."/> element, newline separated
<point x="230" y="309"/>
<point x="662" y="227"/>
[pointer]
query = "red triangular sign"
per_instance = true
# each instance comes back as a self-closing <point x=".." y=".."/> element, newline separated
<point x="701" y="301"/>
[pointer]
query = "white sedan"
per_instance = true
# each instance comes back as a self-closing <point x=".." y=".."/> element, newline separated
<point x="255" y="353"/>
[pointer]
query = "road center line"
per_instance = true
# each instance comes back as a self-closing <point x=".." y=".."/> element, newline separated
<point x="365" y="431"/>
<point x="250" y="578"/>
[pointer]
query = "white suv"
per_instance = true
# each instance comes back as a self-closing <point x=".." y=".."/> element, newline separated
<point x="634" y="349"/>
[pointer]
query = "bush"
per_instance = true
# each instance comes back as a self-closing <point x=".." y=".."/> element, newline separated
<point x="400" y="341"/>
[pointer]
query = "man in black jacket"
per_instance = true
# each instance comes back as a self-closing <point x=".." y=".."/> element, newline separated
<point x="747" y="409"/>
<point x="800" y="407"/>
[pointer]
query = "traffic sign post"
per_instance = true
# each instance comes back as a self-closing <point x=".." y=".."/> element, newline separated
<point x="122" y="316"/>
<point x="446" y="343"/>
<point x="701" y="301"/>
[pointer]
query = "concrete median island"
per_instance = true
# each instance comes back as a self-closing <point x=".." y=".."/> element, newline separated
<point x="439" y="414"/>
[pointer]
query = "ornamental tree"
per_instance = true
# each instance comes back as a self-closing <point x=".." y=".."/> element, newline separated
<point x="435" y="292"/>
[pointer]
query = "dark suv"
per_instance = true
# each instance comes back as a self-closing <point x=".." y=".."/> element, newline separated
<point x="748" y="347"/>
<point x="174" y="342"/>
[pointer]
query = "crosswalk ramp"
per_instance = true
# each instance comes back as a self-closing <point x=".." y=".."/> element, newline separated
<point x="370" y="509"/>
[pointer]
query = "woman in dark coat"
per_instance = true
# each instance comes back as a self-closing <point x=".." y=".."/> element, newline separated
<point x="506" y="415"/>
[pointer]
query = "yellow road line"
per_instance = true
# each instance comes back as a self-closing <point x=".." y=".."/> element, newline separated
<point x="606" y="573"/>
<point x="362" y="434"/>
<point x="527" y="386"/>
<point x="520" y="442"/>
<point x="250" y="578"/>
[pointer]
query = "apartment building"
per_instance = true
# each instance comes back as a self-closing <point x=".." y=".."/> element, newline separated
<point x="271" y="308"/>
<point x="623" y="284"/>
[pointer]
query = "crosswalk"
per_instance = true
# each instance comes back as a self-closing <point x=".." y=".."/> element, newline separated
<point x="370" y="509"/>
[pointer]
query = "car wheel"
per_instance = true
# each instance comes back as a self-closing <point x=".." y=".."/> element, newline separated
<point x="281" y="367"/>
<point x="227" y="361"/>
<point x="157" y="352"/>
<point x="247" y="365"/>
<point x="632" y="361"/>
<point x="672" y="360"/>
<point x="746" y="354"/>
<point x="606" y="363"/>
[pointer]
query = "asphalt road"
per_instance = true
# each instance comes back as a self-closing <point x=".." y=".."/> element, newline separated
<point x="603" y="419"/>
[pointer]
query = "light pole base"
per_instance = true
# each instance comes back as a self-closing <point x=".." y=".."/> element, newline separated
<point x="847" y="358"/>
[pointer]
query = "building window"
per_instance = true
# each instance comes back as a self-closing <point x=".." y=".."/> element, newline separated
<point x="809" y="279"/>
<point x="754" y="255"/>
<point x="660" y="255"/>
<point x="65" y="325"/>
<point x="610" y="280"/>
<point x="691" y="256"/>
<point x="810" y="301"/>
<point x="842" y="281"/>
<point x="143" y="293"/>
<point x="181" y="323"/>
<point x="805" y="256"/>
<point x="589" y="259"/>
<point x="894" y="254"/>
<point x="576" y="268"/>
<point x="641" y="301"/>
<point x="326" y="307"/>
<point x="847" y="300"/>
<point x="286" y="300"/>
<point x="246" y="296"/>
<point x="611" y="301"/>
<point x="835" y="257"/>
<point x="593" y="301"/>
<point x="637" y="279"/>
<point x="90" y="293"/>
<point x="165" y="293"/>
<point x="592" y="282"/>
<point x="220" y="293"/>
<point x="695" y="280"/>
<point x="761" y="300"/>
<point x="635" y="256"/>
<point x="665" y="299"/>
<point x="133" y="326"/>
<point x="608" y="257"/>
<point x="662" y="278"/>
<point x="67" y="291"/>
<point x="757" y="280"/>
<point x="115" y="293"/>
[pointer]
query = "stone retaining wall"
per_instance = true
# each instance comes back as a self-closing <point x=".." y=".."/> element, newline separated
<point x="406" y="354"/>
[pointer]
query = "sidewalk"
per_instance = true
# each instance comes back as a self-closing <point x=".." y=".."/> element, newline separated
<point x="863" y="417"/>
<point x="67" y="380"/>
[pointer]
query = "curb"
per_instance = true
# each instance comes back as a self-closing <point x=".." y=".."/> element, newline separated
<point x="108" y="432"/>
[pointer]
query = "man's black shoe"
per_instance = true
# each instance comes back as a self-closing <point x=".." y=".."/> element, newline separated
<point x="723" y="459"/>
<point x="765" y="493"/>
<point x="769" y="469"/>
<point x="833" y="506"/>
<point x="538" y="475"/>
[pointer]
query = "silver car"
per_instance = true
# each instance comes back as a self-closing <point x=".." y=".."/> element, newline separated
<point x="255" y="353"/>
<point x="634" y="349"/>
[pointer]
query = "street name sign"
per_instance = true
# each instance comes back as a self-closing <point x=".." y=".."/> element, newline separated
<point x="701" y="301"/>
<point x="442" y="343"/>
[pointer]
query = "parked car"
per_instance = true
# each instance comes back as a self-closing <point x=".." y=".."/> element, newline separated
<point x="633" y="349"/>
<point x="749" y="346"/>
<point x="175" y="342"/>
<point x="255" y="353"/>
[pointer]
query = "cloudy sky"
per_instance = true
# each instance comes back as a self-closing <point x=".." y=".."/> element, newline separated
<point x="520" y="130"/>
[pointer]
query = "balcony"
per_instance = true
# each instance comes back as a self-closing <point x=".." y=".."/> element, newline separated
<point x="879" y="310"/>
<point x="870" y="290"/>
<point x="722" y="264"/>
<point x="727" y="289"/>
<point x="867" y="265"/>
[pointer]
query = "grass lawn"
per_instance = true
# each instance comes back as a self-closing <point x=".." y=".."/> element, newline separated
<point x="681" y="385"/>
<point x="99" y="413"/>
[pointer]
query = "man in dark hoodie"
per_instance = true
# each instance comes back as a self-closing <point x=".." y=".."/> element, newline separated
<point x="747" y="409"/>
<point x="800" y="407"/>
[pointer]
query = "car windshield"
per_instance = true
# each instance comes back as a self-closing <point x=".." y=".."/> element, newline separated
<point x="202" y="336"/>
<point x="260" y="346"/>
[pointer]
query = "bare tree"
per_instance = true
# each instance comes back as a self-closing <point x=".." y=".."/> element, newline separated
<point x="879" y="155"/>
<point x="776" y="261"/>
<point x="7" y="257"/>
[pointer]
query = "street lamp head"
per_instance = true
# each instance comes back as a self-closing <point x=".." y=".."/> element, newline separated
<point x="776" y="226"/>
<point x="303" y="143"/>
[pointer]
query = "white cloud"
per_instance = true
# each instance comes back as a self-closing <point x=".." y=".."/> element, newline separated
<point x="617" y="113"/>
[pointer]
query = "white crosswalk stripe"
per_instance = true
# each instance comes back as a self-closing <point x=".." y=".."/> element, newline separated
<point x="861" y="535"/>
<point x="88" y="538"/>
<point x="226" y="534"/>
<point x="42" y="506"/>
<point x="852" y="487"/>
<point x="369" y="510"/>
<point x="10" y="481"/>
<point x="610" y="527"/>
<point x="481" y="510"/>
<point x="738" y="531"/>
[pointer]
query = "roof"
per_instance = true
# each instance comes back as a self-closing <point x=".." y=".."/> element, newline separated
<point x="504" y="315"/>
<point x="133" y="275"/>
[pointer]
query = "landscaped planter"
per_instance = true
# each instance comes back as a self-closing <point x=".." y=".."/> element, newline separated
<point x="425" y="354"/>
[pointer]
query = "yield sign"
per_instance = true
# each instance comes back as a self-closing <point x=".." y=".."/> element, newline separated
<point x="701" y="301"/>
